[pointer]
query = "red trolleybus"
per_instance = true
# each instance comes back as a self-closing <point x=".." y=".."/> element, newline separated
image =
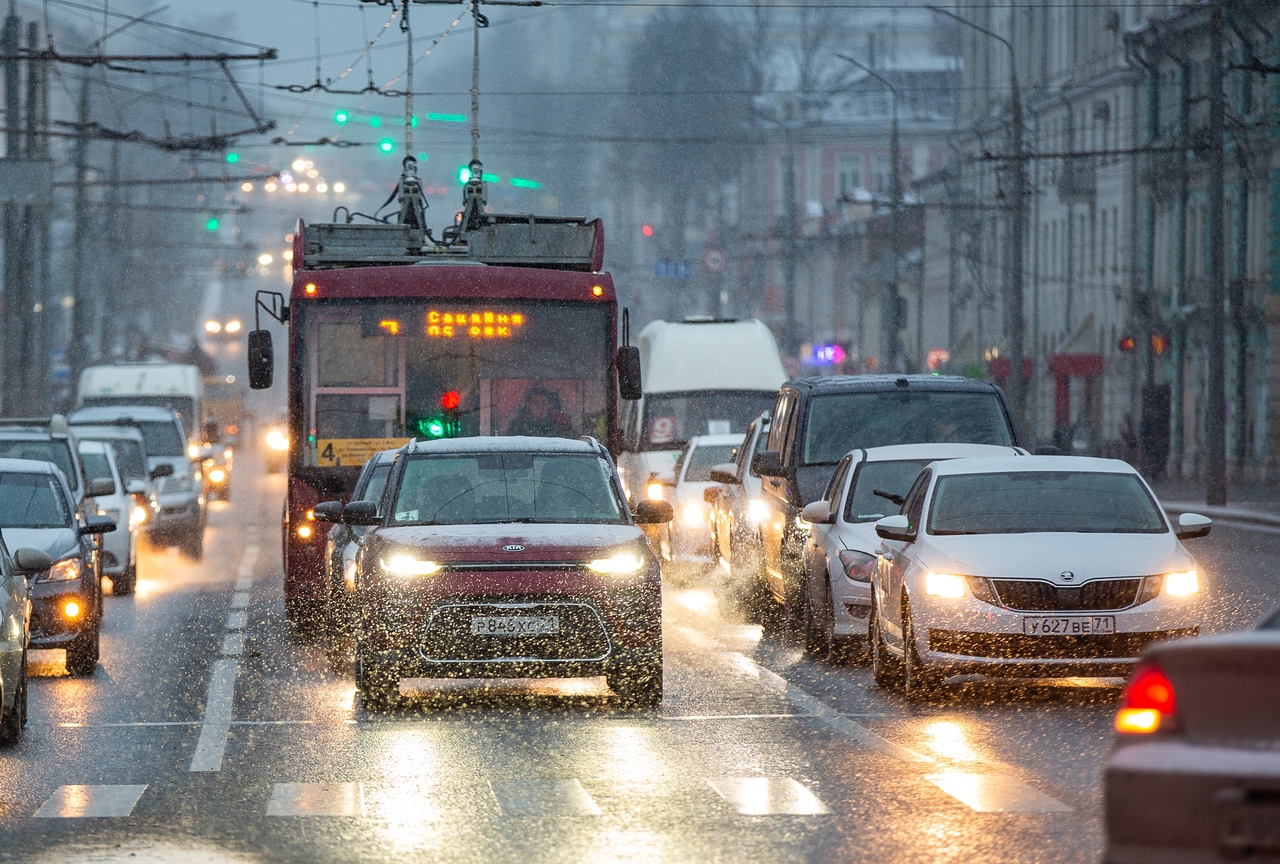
<point x="509" y="329"/>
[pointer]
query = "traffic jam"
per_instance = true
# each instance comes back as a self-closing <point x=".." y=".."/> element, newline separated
<point x="468" y="546"/>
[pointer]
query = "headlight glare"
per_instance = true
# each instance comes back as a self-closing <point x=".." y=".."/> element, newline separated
<point x="757" y="511"/>
<point x="64" y="571"/>
<point x="694" y="514"/>
<point x="277" y="440"/>
<point x="622" y="564"/>
<point x="407" y="566"/>
<point x="944" y="585"/>
<point x="1182" y="584"/>
<point x="654" y="491"/>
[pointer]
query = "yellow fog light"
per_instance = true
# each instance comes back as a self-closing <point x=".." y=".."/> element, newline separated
<point x="71" y="609"/>
<point x="407" y="565"/>
<point x="623" y="564"/>
<point x="304" y="531"/>
<point x="1182" y="584"/>
<point x="1138" y="721"/>
<point x="944" y="585"/>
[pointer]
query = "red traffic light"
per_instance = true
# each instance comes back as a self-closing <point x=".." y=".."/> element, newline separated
<point x="451" y="400"/>
<point x="1127" y="344"/>
<point x="647" y="230"/>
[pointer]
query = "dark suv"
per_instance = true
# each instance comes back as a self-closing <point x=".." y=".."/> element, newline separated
<point x="816" y="421"/>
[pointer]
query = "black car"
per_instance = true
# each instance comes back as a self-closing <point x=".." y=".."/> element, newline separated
<point x="816" y="421"/>
<point x="37" y="511"/>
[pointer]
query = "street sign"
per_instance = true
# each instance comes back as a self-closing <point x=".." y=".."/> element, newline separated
<point x="59" y="369"/>
<point x="670" y="269"/>
<point x="713" y="260"/>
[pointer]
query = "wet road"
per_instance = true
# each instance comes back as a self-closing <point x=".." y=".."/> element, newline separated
<point x="209" y="735"/>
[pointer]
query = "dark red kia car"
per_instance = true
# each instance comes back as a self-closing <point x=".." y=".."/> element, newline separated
<point x="506" y="557"/>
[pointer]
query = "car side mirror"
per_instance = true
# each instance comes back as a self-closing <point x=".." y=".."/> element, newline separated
<point x="262" y="359"/>
<point x="328" y="511"/>
<point x="650" y="512"/>
<point x="819" y="513"/>
<point x="101" y="487"/>
<point x="27" y="561"/>
<point x="360" y="513"/>
<point x="629" y="383"/>
<point x="767" y="463"/>
<point x="1193" y="525"/>
<point x="726" y="472"/>
<point x="159" y="471"/>
<point x="97" y="525"/>
<point x="135" y="487"/>
<point x="895" y="528"/>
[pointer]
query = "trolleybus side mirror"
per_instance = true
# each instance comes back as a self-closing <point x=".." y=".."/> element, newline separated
<point x="262" y="360"/>
<point x="629" y="384"/>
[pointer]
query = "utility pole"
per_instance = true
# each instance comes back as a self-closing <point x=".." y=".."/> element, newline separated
<point x="79" y="293"/>
<point x="12" y="382"/>
<point x="1215" y="463"/>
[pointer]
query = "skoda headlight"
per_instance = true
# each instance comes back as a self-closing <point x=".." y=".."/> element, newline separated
<point x="621" y="564"/>
<point x="1182" y="584"/>
<point x="63" y="571"/>
<point x="409" y="566"/>
<point x="944" y="585"/>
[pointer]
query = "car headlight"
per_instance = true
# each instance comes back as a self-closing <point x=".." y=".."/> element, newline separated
<point x="944" y="585"/>
<point x="217" y="475"/>
<point x="654" y="491"/>
<point x="622" y="564"/>
<point x="277" y="440"/>
<point x="409" y="566"/>
<point x="1182" y="584"/>
<point x="757" y="511"/>
<point x="63" y="571"/>
<point x="138" y="515"/>
<point x="694" y="514"/>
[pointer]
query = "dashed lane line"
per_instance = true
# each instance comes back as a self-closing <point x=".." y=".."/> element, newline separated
<point x="217" y="717"/>
<point x="240" y="600"/>
<point x="769" y="796"/>
<point x="996" y="793"/>
<point x="233" y="645"/>
<point x="237" y="620"/>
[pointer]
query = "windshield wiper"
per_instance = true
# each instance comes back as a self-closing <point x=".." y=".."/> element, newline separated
<point x="889" y="496"/>
<point x="522" y="520"/>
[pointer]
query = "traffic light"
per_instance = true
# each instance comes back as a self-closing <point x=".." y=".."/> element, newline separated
<point x="646" y="230"/>
<point x="342" y="116"/>
<point x="446" y="423"/>
<point x="233" y="158"/>
<point x="387" y="145"/>
<point x="211" y="224"/>
<point x="375" y="122"/>
<point x="464" y="175"/>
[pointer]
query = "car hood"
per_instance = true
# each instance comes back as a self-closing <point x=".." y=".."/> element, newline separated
<point x="1048" y="556"/>
<point x="860" y="536"/>
<point x="487" y="544"/>
<point x="54" y="542"/>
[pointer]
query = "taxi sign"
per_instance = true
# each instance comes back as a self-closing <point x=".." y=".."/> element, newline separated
<point x="339" y="452"/>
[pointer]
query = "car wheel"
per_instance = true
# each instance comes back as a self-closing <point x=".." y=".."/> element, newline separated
<point x="127" y="582"/>
<point x="378" y="685"/>
<point x="918" y="682"/>
<point x="815" y="640"/>
<point x="638" y="685"/>
<point x="82" y="654"/>
<point x="885" y="668"/>
<point x="12" y="722"/>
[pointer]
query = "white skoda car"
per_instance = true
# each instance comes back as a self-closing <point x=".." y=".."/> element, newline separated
<point x="1028" y="566"/>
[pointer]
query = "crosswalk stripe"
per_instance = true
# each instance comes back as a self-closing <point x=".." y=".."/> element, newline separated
<point x="316" y="799"/>
<point x="76" y="802"/>
<point x="996" y="793"/>
<point x="769" y="796"/>
<point x="544" y="798"/>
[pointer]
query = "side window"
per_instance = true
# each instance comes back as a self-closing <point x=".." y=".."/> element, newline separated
<point x="789" y="432"/>
<point x="837" y="480"/>
<point x="742" y="456"/>
<point x="780" y="415"/>
<point x="913" y="507"/>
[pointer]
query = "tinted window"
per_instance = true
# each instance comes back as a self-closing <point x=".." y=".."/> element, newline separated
<point x="32" y="501"/>
<point x="863" y="505"/>
<point x="377" y="482"/>
<point x="671" y="419"/>
<point x="163" y="439"/>
<point x="131" y="459"/>
<point x="1059" y="501"/>
<point x="704" y="458"/>
<point x="840" y="422"/>
<point x="509" y="487"/>
<point x="56" y="452"/>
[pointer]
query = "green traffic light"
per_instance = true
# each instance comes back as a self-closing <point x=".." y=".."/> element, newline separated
<point x="233" y="158"/>
<point x="386" y="145"/>
<point x="375" y="122"/>
<point x="340" y="117"/>
<point x="464" y="175"/>
<point x="211" y="224"/>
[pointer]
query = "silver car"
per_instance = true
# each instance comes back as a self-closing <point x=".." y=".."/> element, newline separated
<point x="736" y="511"/>
<point x="15" y="628"/>
<point x="120" y="547"/>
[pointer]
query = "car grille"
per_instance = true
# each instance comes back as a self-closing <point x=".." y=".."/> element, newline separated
<point x="1016" y="646"/>
<point x="1096" y="596"/>
<point x="449" y="639"/>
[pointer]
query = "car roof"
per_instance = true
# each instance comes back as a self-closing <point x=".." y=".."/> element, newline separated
<point x="91" y="433"/>
<point x="150" y="413"/>
<point x="716" y="440"/>
<point x="1033" y="463"/>
<point x="28" y="466"/>
<point x="937" y="450"/>
<point x="385" y="457"/>
<point x="873" y="383"/>
<point x="94" y="446"/>
<point x="503" y="444"/>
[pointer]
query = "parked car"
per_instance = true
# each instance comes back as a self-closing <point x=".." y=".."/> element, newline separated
<point x="15" y="619"/>
<point x="181" y="519"/>
<point x="131" y="457"/>
<point x="737" y="510"/>
<point x="685" y="547"/>
<point x="818" y="420"/>
<point x="506" y="557"/>
<point x="47" y="440"/>
<point x="1195" y="771"/>
<point x="37" y="511"/>
<point x="1028" y="566"/>
<point x="119" y="548"/>
<point x="840" y="557"/>
<point x="341" y="546"/>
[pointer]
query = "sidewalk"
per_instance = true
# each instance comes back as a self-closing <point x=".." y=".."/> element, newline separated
<point x="1254" y="504"/>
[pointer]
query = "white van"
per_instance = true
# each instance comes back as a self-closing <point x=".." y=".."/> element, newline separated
<point x="708" y="377"/>
<point x="165" y="385"/>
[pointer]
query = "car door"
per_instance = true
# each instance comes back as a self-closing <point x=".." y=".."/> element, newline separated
<point x="774" y="528"/>
<point x="822" y="536"/>
<point x="895" y="558"/>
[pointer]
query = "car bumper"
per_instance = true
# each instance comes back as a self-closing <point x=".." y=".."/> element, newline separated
<point x="116" y="548"/>
<point x="965" y="635"/>
<point x="852" y="606"/>
<point x="1175" y="801"/>
<point x="50" y="627"/>
<point x="177" y="513"/>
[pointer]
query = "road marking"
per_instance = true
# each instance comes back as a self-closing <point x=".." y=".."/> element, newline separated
<point x="996" y="793"/>
<point x="233" y="645"/>
<point x="244" y="583"/>
<point x="544" y="798"/>
<point x="126" y="725"/>
<point x="217" y="717"/>
<point x="769" y="796"/>
<point x="316" y="799"/>
<point x="247" y="561"/>
<point x="237" y="620"/>
<point x="76" y="802"/>
<point x="240" y="600"/>
<point x="699" y="639"/>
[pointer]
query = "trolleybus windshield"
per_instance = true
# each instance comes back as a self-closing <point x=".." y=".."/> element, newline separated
<point x="374" y="374"/>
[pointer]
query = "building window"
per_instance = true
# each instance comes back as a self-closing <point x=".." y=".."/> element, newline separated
<point x="883" y="169"/>
<point x="850" y="172"/>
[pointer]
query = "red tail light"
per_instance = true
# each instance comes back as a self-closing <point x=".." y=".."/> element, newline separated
<point x="1148" y="704"/>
